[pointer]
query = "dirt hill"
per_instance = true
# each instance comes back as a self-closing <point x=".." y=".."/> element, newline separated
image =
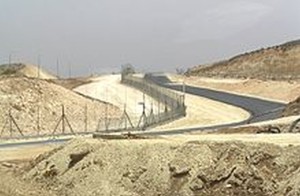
<point x="20" y="69"/>
<point x="292" y="108"/>
<point x="278" y="62"/>
<point x="168" y="168"/>
<point x="25" y="98"/>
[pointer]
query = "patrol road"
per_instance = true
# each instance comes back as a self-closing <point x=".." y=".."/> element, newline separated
<point x="260" y="109"/>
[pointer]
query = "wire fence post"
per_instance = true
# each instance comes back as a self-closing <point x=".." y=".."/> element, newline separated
<point x="85" y="118"/>
<point x="11" y="121"/>
<point x="38" y="121"/>
<point x="63" y="120"/>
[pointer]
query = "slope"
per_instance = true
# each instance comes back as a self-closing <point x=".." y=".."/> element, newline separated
<point x="27" y="70"/>
<point x="278" y="63"/>
<point x="33" y="102"/>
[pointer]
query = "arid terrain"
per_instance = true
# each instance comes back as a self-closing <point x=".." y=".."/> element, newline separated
<point x="174" y="166"/>
<point x="271" y="73"/>
<point x="200" y="111"/>
<point x="242" y="160"/>
<point x="27" y="70"/>
<point x="293" y="108"/>
<point x="282" y="91"/>
<point x="273" y="63"/>
<point x="36" y="106"/>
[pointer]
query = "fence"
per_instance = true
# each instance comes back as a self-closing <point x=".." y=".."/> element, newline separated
<point x="36" y="120"/>
<point x="31" y="115"/>
<point x="173" y="102"/>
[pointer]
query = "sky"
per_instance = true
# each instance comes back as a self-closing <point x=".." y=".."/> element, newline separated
<point x="98" y="36"/>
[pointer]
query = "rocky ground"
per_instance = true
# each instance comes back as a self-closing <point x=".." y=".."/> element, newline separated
<point x="161" y="167"/>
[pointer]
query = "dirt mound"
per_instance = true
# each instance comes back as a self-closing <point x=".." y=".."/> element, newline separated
<point x="164" y="167"/>
<point x="278" y="62"/>
<point x="293" y="108"/>
<point x="20" y="69"/>
<point x="31" y="100"/>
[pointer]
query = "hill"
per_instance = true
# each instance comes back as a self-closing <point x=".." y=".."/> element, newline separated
<point x="277" y="62"/>
<point x="27" y="70"/>
<point x="24" y="97"/>
<point x="293" y="108"/>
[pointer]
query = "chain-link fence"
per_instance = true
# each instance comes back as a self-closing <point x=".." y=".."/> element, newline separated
<point x="173" y="102"/>
<point x="30" y="113"/>
<point x="39" y="120"/>
<point x="60" y="120"/>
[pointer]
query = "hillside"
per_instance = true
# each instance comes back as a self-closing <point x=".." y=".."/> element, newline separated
<point x="278" y="63"/>
<point x="24" y="97"/>
<point x="293" y="108"/>
<point x="27" y="70"/>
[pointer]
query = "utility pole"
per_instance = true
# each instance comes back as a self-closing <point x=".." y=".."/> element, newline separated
<point x="57" y="68"/>
<point x="39" y="97"/>
<point x="143" y="118"/>
<point x="91" y="70"/>
<point x="39" y="66"/>
<point x="85" y="118"/>
<point x="9" y="59"/>
<point x="70" y="72"/>
<point x="106" y="112"/>
<point x="183" y="91"/>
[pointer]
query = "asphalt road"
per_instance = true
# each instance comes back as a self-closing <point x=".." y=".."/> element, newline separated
<point x="259" y="109"/>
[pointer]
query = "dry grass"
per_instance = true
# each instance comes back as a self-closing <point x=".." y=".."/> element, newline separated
<point x="277" y="63"/>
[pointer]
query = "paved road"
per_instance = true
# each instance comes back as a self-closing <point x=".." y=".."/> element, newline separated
<point x="259" y="109"/>
<point x="32" y="143"/>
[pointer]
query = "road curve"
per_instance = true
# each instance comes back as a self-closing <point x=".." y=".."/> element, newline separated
<point x="259" y="109"/>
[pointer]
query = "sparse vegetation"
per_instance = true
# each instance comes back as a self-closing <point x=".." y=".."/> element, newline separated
<point x="274" y="63"/>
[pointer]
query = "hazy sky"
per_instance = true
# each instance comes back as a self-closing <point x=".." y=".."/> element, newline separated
<point x="153" y="35"/>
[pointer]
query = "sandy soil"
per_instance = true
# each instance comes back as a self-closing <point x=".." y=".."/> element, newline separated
<point x="28" y="97"/>
<point x="285" y="139"/>
<point x="206" y="112"/>
<point x="284" y="91"/>
<point x="200" y="111"/>
<point x="190" y="165"/>
<point x="24" y="152"/>
<point x="109" y="89"/>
